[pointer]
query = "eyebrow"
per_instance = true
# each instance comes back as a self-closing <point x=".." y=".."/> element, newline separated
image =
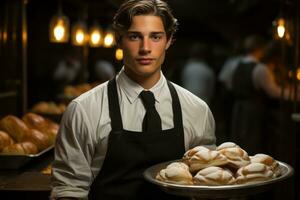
<point x="137" y="32"/>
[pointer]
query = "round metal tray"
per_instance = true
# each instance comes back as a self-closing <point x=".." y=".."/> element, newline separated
<point x="226" y="191"/>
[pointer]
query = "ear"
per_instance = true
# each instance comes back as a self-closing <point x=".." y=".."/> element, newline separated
<point x="169" y="42"/>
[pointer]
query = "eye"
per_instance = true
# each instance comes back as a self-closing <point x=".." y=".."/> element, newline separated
<point x="133" y="37"/>
<point x="156" y="38"/>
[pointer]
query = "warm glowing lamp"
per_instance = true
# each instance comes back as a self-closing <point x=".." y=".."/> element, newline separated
<point x="109" y="39"/>
<point x="95" y="36"/>
<point x="281" y="27"/>
<point x="119" y="54"/>
<point x="59" y="28"/>
<point x="79" y="34"/>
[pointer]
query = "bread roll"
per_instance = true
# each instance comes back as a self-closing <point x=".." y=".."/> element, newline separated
<point x="268" y="161"/>
<point x="22" y="148"/>
<point x="201" y="157"/>
<point x="253" y="172"/>
<point x="5" y="140"/>
<point x="236" y="156"/>
<point x="15" y="127"/>
<point x="176" y="172"/>
<point x="45" y="126"/>
<point x="214" y="176"/>
<point x="51" y="130"/>
<point x="41" y="140"/>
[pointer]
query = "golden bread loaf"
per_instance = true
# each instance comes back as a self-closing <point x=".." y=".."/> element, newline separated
<point x="176" y="172"/>
<point x="214" y="176"/>
<point x="5" y="140"/>
<point x="41" y="140"/>
<point x="21" y="148"/>
<point x="201" y="157"/>
<point x="15" y="127"/>
<point x="35" y="121"/>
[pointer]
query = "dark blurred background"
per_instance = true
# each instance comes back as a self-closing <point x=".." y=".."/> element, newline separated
<point x="28" y="60"/>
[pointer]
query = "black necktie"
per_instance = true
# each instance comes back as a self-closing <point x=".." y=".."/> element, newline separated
<point x="151" y="122"/>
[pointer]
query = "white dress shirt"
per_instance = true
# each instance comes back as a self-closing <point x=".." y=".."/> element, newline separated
<point x="82" y="140"/>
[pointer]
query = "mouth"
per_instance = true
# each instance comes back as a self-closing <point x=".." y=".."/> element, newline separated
<point x="145" y="61"/>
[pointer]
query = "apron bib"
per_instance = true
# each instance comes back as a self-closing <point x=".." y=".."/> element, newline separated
<point x="130" y="153"/>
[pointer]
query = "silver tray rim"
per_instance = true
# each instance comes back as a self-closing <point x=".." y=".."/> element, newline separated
<point x="149" y="176"/>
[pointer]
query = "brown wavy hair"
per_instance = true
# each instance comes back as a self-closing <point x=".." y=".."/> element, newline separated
<point x="123" y="17"/>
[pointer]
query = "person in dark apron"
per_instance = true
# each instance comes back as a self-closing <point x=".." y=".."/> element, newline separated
<point x="101" y="153"/>
<point x="248" y="115"/>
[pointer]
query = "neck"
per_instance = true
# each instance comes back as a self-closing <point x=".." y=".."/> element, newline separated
<point x="145" y="81"/>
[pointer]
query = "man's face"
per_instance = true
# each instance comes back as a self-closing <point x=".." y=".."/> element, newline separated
<point x="144" y="46"/>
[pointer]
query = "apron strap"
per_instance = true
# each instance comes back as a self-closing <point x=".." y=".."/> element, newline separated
<point x="114" y="108"/>
<point x="177" y="113"/>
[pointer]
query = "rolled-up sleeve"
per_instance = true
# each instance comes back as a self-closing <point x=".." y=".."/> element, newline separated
<point x="71" y="169"/>
<point x="209" y="137"/>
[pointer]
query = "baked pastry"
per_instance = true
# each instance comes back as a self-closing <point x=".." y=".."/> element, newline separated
<point x="41" y="140"/>
<point x="35" y="121"/>
<point x="22" y="148"/>
<point x="214" y="176"/>
<point x="176" y="172"/>
<point x="267" y="160"/>
<point x="253" y="172"/>
<point x="5" y="140"/>
<point x="236" y="156"/>
<point x="226" y="145"/>
<point x="14" y="126"/>
<point x="201" y="157"/>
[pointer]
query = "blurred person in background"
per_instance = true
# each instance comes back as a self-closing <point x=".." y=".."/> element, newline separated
<point x="197" y="75"/>
<point x="103" y="71"/>
<point x="257" y="93"/>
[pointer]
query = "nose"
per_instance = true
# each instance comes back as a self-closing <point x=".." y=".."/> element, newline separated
<point x="145" y="47"/>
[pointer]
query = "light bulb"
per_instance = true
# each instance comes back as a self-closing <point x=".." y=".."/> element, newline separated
<point x="281" y="28"/>
<point x="108" y="40"/>
<point x="119" y="54"/>
<point x="79" y="36"/>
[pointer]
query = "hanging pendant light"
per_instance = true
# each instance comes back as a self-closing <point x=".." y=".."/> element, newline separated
<point x="119" y="54"/>
<point x="79" y="34"/>
<point x="59" y="27"/>
<point x="281" y="27"/>
<point x="95" y="36"/>
<point x="109" y="39"/>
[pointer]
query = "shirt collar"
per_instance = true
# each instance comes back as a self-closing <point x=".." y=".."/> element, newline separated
<point x="133" y="89"/>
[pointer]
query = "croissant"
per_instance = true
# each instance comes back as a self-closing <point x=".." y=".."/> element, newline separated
<point x="268" y="161"/>
<point x="176" y="172"/>
<point x="253" y="172"/>
<point x="236" y="156"/>
<point x="22" y="148"/>
<point x="14" y="126"/>
<point x="214" y="176"/>
<point x="201" y="157"/>
<point x="5" y="140"/>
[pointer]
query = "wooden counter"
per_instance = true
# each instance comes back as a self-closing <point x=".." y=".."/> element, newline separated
<point x="29" y="182"/>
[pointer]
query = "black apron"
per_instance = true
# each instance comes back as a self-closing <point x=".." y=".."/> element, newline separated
<point x="130" y="153"/>
<point x="249" y="112"/>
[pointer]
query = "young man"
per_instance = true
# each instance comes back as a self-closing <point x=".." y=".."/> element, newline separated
<point x="104" y="144"/>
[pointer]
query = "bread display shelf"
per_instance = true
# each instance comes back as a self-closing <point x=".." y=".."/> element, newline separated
<point x="14" y="161"/>
<point x="226" y="191"/>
